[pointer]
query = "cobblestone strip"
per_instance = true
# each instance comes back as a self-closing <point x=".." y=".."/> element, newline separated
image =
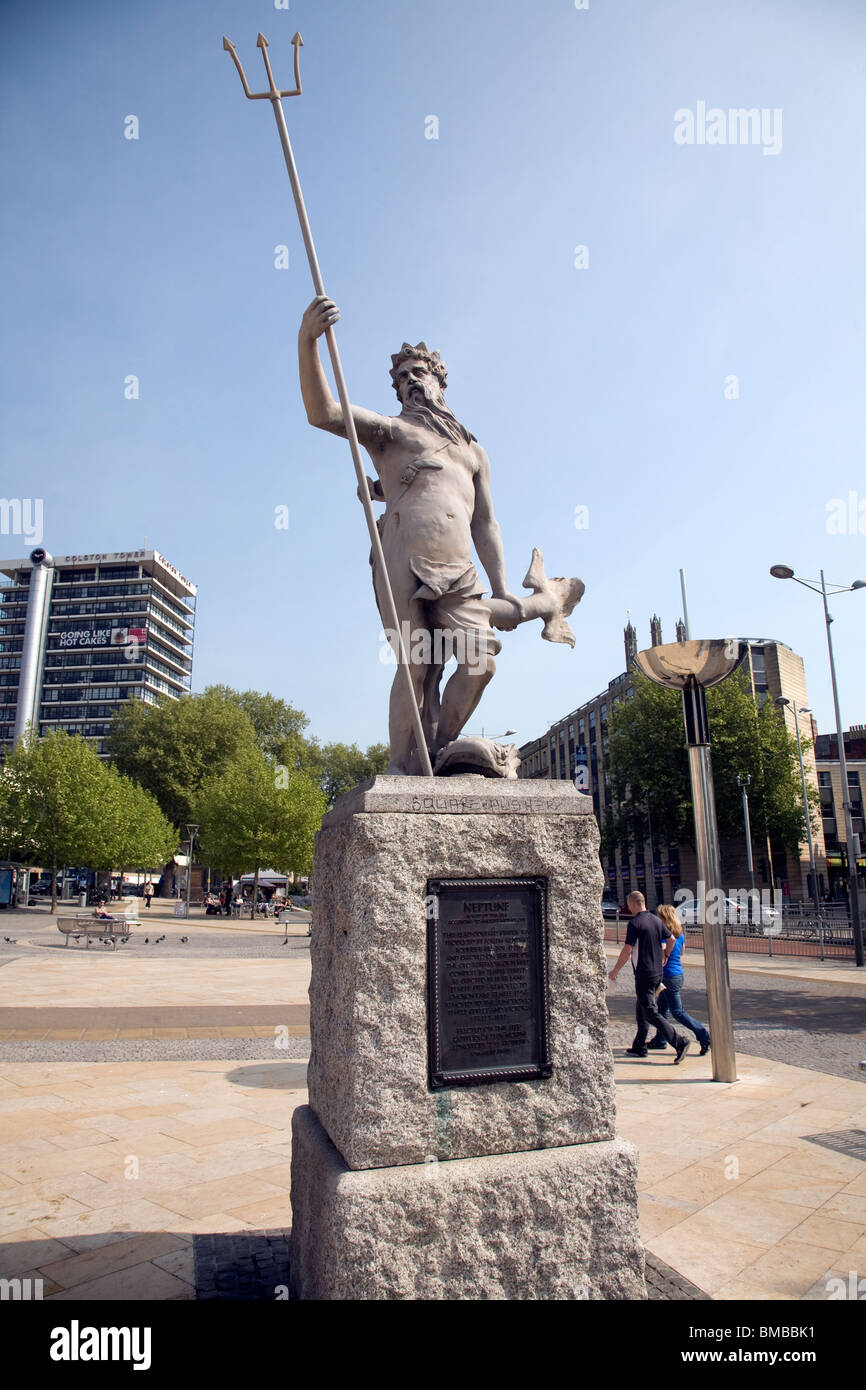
<point x="663" y="1283"/>
<point x="242" y="1265"/>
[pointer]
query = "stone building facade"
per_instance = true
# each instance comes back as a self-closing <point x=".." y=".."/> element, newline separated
<point x="578" y="747"/>
<point x="830" y="791"/>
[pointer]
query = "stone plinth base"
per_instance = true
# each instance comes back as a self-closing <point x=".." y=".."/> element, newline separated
<point x="368" y="1075"/>
<point x="555" y="1223"/>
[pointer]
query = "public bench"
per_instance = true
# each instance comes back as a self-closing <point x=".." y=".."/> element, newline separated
<point x="116" y="927"/>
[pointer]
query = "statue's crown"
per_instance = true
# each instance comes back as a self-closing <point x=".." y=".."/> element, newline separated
<point x="420" y="350"/>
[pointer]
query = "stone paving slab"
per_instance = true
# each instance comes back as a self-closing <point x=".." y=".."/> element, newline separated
<point x="223" y="1046"/>
<point x="735" y="1197"/>
<point x="16" y="1018"/>
<point x="737" y="1201"/>
<point x="89" y="980"/>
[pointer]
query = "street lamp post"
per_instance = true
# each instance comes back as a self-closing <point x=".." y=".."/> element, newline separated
<point x="743" y="783"/>
<point x="192" y="829"/>
<point x="782" y="700"/>
<point x="785" y="572"/>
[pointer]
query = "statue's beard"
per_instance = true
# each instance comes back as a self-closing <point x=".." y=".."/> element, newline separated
<point x="435" y="415"/>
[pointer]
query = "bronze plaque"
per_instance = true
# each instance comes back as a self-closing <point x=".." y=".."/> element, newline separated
<point x="488" y="1011"/>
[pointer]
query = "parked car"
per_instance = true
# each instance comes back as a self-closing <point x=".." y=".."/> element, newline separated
<point x="609" y="907"/>
<point x="733" y="912"/>
<point x="42" y="886"/>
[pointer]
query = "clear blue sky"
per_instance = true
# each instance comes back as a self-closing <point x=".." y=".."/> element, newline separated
<point x="602" y="387"/>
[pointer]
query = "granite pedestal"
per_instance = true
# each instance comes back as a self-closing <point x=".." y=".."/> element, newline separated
<point x="521" y="1181"/>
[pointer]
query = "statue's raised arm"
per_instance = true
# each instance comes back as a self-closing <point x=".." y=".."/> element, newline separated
<point x="322" y="410"/>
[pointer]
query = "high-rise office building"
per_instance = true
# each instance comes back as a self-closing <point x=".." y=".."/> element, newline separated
<point x="81" y="634"/>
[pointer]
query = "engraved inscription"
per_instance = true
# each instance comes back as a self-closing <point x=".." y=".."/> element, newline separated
<point x="460" y="805"/>
<point x="454" y="804"/>
<point x="488" y="976"/>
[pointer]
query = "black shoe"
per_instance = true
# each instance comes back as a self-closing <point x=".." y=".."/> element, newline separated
<point x="705" y="1047"/>
<point x="657" y="1045"/>
<point x="683" y="1046"/>
<point x="632" y="1052"/>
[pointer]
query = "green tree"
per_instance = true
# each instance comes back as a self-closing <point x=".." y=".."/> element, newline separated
<point x="338" y="767"/>
<point x="60" y="804"/>
<point x="647" y="754"/>
<point x="16" y="843"/>
<point x="278" y="726"/>
<point x="136" y="833"/>
<point x="279" y="730"/>
<point x="54" y="800"/>
<point x="172" y="748"/>
<point x="650" y="766"/>
<point x="255" y="815"/>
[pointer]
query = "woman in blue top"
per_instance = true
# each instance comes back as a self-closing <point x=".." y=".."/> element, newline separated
<point x="669" y="1000"/>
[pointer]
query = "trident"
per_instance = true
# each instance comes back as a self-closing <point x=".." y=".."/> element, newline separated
<point x="274" y="96"/>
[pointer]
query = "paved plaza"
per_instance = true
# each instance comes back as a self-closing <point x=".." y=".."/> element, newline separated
<point x="146" y="1111"/>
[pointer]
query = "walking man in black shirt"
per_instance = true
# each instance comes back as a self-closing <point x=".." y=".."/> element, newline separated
<point x="648" y="943"/>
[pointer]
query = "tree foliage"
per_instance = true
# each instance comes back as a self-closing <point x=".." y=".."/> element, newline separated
<point x="279" y="730"/>
<point x="60" y="804"/>
<point x="137" y="835"/>
<point x="172" y="748"/>
<point x="650" y="774"/>
<point x="277" y="725"/>
<point x="255" y="814"/>
<point x="338" y="767"/>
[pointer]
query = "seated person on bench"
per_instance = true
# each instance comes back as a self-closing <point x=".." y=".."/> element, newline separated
<point x="100" y="911"/>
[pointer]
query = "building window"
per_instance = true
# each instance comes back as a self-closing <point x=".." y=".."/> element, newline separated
<point x="759" y="672"/>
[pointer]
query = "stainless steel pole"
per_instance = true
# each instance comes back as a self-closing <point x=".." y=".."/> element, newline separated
<point x="710" y="874"/>
<point x="33" y="647"/>
<point x="853" y="888"/>
<point x="715" y="947"/>
<point x="189" y="867"/>
<point x="812" y="875"/>
<point x="743" y="784"/>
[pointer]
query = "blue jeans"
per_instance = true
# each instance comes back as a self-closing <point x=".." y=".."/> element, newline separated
<point x="670" y="1003"/>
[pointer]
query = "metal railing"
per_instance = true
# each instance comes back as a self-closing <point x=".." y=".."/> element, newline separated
<point x="799" y="930"/>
